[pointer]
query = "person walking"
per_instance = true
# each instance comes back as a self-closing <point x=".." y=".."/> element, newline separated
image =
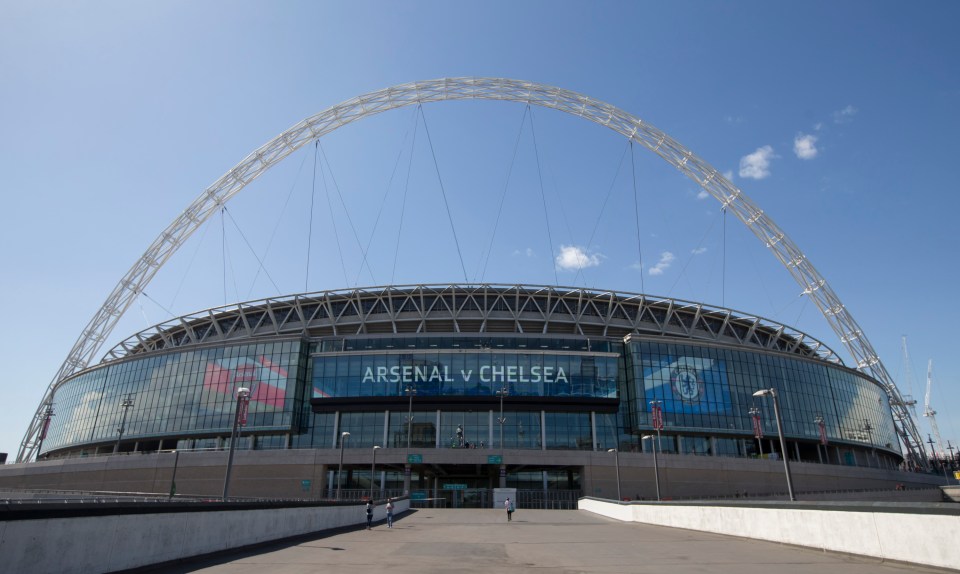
<point x="389" y="513"/>
<point x="508" y="504"/>
<point x="369" y="514"/>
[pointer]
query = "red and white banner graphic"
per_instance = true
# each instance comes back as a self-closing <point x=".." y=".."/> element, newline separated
<point x="757" y="426"/>
<point x="657" y="416"/>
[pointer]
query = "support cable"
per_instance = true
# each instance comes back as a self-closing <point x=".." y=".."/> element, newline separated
<point x="690" y="258"/>
<point x="250" y="247"/>
<point x="157" y="303"/>
<point x="383" y="203"/>
<point x="503" y="194"/>
<point x="543" y="198"/>
<point x="446" y="204"/>
<point x="223" y="253"/>
<point x="802" y="308"/>
<point x="229" y="262"/>
<point x="723" y="266"/>
<point x="636" y="212"/>
<point x="143" y="312"/>
<point x="346" y="211"/>
<point x="183" y="279"/>
<point x="558" y="198"/>
<point x="333" y="221"/>
<point x="276" y="227"/>
<point x="603" y="206"/>
<point x="403" y="203"/>
<point x="313" y="191"/>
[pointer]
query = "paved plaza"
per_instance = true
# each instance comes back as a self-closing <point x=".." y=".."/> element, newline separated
<point x="482" y="541"/>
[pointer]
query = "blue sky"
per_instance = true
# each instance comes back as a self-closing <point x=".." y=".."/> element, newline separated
<point x="838" y="119"/>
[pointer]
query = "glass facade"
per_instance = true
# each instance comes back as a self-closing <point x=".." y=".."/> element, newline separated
<point x="709" y="390"/>
<point x="563" y="393"/>
<point x="190" y="392"/>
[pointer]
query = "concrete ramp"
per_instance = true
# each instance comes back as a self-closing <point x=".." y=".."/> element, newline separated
<point x="561" y="541"/>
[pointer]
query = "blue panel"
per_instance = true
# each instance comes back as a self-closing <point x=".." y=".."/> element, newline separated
<point x="688" y="384"/>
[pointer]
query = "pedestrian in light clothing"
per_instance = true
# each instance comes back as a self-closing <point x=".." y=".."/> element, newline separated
<point x="369" y="514"/>
<point x="508" y="504"/>
<point x="389" y="513"/>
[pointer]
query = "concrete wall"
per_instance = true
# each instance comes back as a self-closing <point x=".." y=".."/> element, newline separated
<point x="279" y="473"/>
<point x="116" y="542"/>
<point x="918" y="533"/>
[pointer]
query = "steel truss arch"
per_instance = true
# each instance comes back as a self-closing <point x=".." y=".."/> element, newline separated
<point x="255" y="164"/>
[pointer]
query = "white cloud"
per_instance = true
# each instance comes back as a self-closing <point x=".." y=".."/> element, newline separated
<point x="703" y="194"/>
<point x="699" y="251"/>
<point x="818" y="126"/>
<point x="666" y="259"/>
<point x="572" y="258"/>
<point x="728" y="174"/>
<point x="845" y="115"/>
<point x="805" y="146"/>
<point x="757" y="164"/>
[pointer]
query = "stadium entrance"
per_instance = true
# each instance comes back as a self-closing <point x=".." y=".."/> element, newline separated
<point x="471" y="486"/>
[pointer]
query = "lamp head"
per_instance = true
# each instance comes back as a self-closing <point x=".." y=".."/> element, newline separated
<point x="611" y="450"/>
<point x="243" y="392"/>
<point x="762" y="392"/>
<point x="345" y="434"/>
<point x="375" y="447"/>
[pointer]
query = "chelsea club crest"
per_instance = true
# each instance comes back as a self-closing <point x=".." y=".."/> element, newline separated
<point x="686" y="384"/>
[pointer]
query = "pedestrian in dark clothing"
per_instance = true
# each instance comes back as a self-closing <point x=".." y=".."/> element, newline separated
<point x="369" y="514"/>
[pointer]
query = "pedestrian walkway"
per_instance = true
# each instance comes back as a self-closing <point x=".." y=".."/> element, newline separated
<point x="481" y="541"/>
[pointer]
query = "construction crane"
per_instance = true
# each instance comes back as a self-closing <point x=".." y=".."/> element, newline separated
<point x="908" y="399"/>
<point x="929" y="412"/>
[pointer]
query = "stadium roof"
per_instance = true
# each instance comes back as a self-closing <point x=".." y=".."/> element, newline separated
<point x="473" y="308"/>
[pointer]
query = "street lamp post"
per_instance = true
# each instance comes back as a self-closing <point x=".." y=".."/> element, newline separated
<point x="45" y="426"/>
<point x="951" y="448"/>
<point x="501" y="393"/>
<point x="616" y="459"/>
<point x="783" y="440"/>
<point x="373" y="469"/>
<point x="657" y="419"/>
<point x="822" y="431"/>
<point x="239" y="419"/>
<point x="343" y="438"/>
<point x="873" y="449"/>
<point x="173" y="478"/>
<point x="757" y="428"/>
<point x="410" y="390"/>
<point x="656" y="465"/>
<point x="943" y="463"/>
<point x="503" y="468"/>
<point x="126" y="404"/>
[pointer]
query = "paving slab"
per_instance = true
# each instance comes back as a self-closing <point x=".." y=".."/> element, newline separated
<point x="558" y="541"/>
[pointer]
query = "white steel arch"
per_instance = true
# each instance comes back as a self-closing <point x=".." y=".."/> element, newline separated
<point x="730" y="197"/>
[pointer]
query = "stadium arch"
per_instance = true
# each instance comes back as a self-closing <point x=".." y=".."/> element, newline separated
<point x="469" y="88"/>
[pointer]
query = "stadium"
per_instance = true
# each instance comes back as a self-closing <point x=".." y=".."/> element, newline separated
<point x="576" y="370"/>
<point x="448" y="391"/>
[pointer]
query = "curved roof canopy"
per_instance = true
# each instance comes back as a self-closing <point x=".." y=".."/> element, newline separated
<point x="482" y="308"/>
